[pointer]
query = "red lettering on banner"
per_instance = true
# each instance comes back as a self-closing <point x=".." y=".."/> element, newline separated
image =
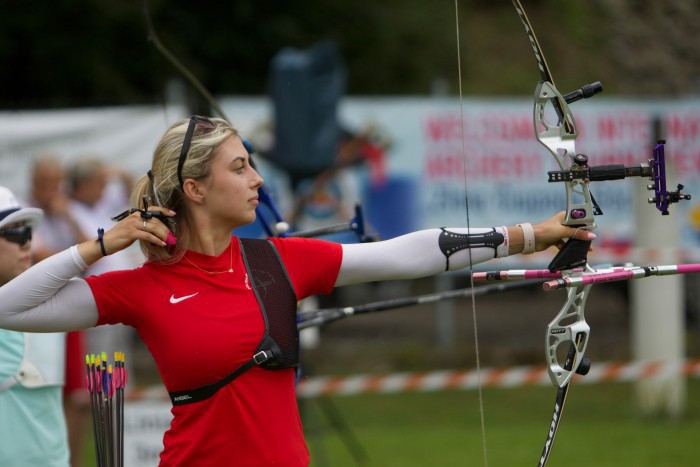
<point x="682" y="127"/>
<point x="443" y="128"/>
<point x="506" y="127"/>
<point x="624" y="156"/>
<point x="489" y="166"/>
<point x="489" y="127"/>
<point x="685" y="161"/>
<point x="627" y="125"/>
<point x="444" y="166"/>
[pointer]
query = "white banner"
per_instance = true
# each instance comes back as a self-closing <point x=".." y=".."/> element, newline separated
<point x="123" y="136"/>
<point x="416" y="177"/>
<point x="145" y="422"/>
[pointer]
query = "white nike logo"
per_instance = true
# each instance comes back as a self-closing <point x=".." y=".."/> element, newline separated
<point x="179" y="299"/>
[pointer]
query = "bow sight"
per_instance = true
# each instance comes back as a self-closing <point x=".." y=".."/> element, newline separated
<point x="655" y="169"/>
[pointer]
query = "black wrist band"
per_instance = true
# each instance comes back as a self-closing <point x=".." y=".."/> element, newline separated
<point x="100" y="234"/>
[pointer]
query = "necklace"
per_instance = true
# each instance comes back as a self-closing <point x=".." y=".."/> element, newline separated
<point x="230" y="265"/>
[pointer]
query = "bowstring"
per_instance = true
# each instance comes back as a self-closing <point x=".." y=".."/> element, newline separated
<point x="471" y="276"/>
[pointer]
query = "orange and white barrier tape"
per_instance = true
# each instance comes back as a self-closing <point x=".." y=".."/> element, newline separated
<point x="490" y="377"/>
<point x="512" y="377"/>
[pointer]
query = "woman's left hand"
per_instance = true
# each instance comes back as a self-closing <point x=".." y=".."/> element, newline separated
<point x="552" y="232"/>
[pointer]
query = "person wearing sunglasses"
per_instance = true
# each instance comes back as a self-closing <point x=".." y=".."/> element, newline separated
<point x="198" y="311"/>
<point x="32" y="425"/>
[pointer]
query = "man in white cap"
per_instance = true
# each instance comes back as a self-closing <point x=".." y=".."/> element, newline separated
<point x="32" y="425"/>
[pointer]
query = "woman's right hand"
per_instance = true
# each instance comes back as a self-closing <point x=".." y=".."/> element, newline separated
<point x="127" y="231"/>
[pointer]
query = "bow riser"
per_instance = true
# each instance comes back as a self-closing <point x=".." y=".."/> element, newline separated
<point x="569" y="326"/>
<point x="560" y="141"/>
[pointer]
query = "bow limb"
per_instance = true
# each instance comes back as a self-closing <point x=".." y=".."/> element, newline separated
<point x="153" y="37"/>
<point x="278" y="228"/>
<point x="559" y="405"/>
<point x="271" y="219"/>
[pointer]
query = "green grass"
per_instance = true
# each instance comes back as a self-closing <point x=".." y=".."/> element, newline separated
<point x="600" y="427"/>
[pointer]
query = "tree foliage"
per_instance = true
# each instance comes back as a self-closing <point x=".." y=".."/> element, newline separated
<point x="89" y="52"/>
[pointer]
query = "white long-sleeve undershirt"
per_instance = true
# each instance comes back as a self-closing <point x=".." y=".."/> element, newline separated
<point x="410" y="256"/>
<point x="49" y="298"/>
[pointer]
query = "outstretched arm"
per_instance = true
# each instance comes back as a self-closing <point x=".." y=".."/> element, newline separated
<point x="432" y="251"/>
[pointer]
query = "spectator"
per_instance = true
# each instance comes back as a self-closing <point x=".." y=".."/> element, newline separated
<point x="58" y="231"/>
<point x="32" y="425"/>
<point x="59" y="228"/>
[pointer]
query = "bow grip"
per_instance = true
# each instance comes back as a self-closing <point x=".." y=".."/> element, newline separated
<point x="574" y="254"/>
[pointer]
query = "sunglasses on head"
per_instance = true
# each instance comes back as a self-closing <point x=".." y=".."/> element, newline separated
<point x="195" y="120"/>
<point x="18" y="235"/>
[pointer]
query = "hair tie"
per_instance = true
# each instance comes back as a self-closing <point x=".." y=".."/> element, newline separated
<point x="100" y="234"/>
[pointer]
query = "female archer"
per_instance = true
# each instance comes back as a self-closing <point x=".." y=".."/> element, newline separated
<point x="199" y="301"/>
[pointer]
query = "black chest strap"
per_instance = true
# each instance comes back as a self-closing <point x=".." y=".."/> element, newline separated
<point x="279" y="347"/>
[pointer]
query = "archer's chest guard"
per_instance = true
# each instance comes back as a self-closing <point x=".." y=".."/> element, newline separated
<point x="279" y="347"/>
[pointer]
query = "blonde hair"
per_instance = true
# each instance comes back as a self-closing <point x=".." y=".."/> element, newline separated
<point x="165" y="189"/>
